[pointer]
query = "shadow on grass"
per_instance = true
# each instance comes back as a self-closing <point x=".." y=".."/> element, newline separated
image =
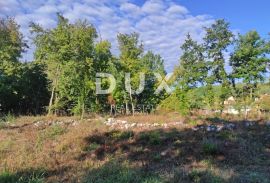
<point x="181" y="155"/>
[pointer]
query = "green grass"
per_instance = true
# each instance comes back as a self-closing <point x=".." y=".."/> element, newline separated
<point x="209" y="147"/>
<point x="118" y="135"/>
<point x="226" y="135"/>
<point x="117" y="172"/>
<point x="93" y="146"/>
<point x="54" y="131"/>
<point x="8" y="118"/>
<point x="152" y="138"/>
<point x="197" y="176"/>
<point x="8" y="177"/>
<point x="192" y="122"/>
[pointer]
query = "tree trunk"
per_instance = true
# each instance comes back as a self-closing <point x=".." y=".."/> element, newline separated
<point x="51" y="101"/>
<point x="53" y="95"/>
<point x="127" y="111"/>
<point x="132" y="105"/>
<point x="83" y="110"/>
<point x="111" y="110"/>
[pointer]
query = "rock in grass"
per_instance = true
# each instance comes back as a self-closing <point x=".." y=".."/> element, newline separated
<point x="211" y="128"/>
<point x="230" y="126"/>
<point x="220" y="127"/>
<point x="249" y="124"/>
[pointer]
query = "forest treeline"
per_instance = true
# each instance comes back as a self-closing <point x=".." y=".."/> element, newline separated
<point x="61" y="78"/>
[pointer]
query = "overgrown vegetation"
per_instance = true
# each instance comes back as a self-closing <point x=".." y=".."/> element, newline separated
<point x="61" y="78"/>
<point x="90" y="152"/>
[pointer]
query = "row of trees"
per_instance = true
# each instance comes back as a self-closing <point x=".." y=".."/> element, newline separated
<point x="61" y="79"/>
<point x="204" y="66"/>
<point x="66" y="61"/>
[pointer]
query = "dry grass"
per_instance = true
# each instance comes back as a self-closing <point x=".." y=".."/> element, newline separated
<point x="91" y="152"/>
<point x="154" y="118"/>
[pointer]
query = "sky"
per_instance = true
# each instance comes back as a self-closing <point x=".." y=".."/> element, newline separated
<point x="162" y="25"/>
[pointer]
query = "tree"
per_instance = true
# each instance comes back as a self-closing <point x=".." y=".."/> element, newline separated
<point x="193" y="68"/>
<point x="32" y="89"/>
<point x="12" y="46"/>
<point x="151" y="64"/>
<point x="130" y="57"/>
<point x="69" y="52"/>
<point x="249" y="64"/>
<point x="53" y="48"/>
<point x="12" y="43"/>
<point x="217" y="39"/>
<point x="103" y="63"/>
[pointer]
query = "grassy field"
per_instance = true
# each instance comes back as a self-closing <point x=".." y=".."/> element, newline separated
<point x="65" y="149"/>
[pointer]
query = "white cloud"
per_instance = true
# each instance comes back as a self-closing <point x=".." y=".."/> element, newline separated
<point x="131" y="9"/>
<point x="177" y="9"/>
<point x="162" y="25"/>
<point x="153" y="7"/>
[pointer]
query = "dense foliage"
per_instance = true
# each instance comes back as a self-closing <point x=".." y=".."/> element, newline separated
<point x="67" y="58"/>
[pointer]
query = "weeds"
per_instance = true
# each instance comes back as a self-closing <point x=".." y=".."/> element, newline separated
<point x="92" y="147"/>
<point x="226" y="135"/>
<point x="118" y="135"/>
<point x="5" y="145"/>
<point x="8" y="177"/>
<point x="192" y="122"/>
<point x="210" y="147"/>
<point x="197" y="176"/>
<point x="49" y="134"/>
<point x="121" y="173"/>
<point x="153" y="138"/>
<point x="8" y="118"/>
<point x="53" y="132"/>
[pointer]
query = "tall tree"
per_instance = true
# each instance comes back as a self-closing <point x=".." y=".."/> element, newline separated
<point x="131" y="51"/>
<point x="12" y="46"/>
<point x="193" y="67"/>
<point x="217" y="39"/>
<point x="151" y="64"/>
<point x="249" y="61"/>
<point x="69" y="52"/>
<point x="53" y="48"/>
<point x="12" y="43"/>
